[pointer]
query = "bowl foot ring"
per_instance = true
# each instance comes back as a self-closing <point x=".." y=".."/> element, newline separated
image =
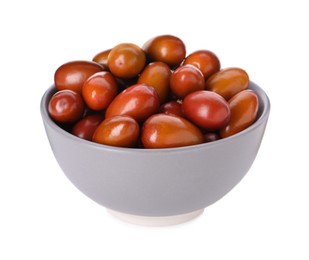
<point x="156" y="221"/>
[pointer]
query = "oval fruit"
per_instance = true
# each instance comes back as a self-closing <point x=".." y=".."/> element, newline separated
<point x="172" y="108"/>
<point x="168" y="131"/>
<point x="166" y="48"/>
<point x="228" y="82"/>
<point x="206" y="109"/>
<point x="126" y="83"/>
<point x="157" y="74"/>
<point x="126" y="60"/>
<point x="99" y="90"/>
<point x="138" y="101"/>
<point x="206" y="61"/>
<point x="120" y="131"/>
<point x="211" y="137"/>
<point x="72" y="75"/>
<point x="85" y="127"/>
<point x="185" y="80"/>
<point x="244" y="107"/>
<point x="101" y="57"/>
<point x="66" y="106"/>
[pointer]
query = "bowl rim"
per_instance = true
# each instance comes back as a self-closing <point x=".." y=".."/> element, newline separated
<point x="261" y="119"/>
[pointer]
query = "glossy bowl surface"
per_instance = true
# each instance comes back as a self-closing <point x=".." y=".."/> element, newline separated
<point x="156" y="182"/>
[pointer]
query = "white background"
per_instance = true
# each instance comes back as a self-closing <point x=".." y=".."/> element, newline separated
<point x="43" y="216"/>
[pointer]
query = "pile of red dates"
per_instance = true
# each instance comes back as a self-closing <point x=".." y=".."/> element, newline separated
<point x="154" y="96"/>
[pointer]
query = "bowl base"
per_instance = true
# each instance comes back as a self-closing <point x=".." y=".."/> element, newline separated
<point x="156" y="221"/>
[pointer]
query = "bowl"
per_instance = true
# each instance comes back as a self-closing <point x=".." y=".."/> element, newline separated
<point x="156" y="186"/>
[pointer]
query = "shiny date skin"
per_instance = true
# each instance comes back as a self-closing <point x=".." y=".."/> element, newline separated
<point x="168" y="131"/>
<point x="228" y="82"/>
<point x="72" y="75"/>
<point x="206" y="109"/>
<point x="99" y="90"/>
<point x="126" y="60"/>
<point x="85" y="127"/>
<point x="244" y="107"/>
<point x="206" y="61"/>
<point x="101" y="57"/>
<point x="166" y="48"/>
<point x="66" y="106"/>
<point x="138" y="101"/>
<point x="172" y="108"/>
<point x="157" y="74"/>
<point x="185" y="80"/>
<point x="120" y="131"/>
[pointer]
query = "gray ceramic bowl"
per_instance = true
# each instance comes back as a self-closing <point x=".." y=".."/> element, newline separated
<point x="171" y="185"/>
